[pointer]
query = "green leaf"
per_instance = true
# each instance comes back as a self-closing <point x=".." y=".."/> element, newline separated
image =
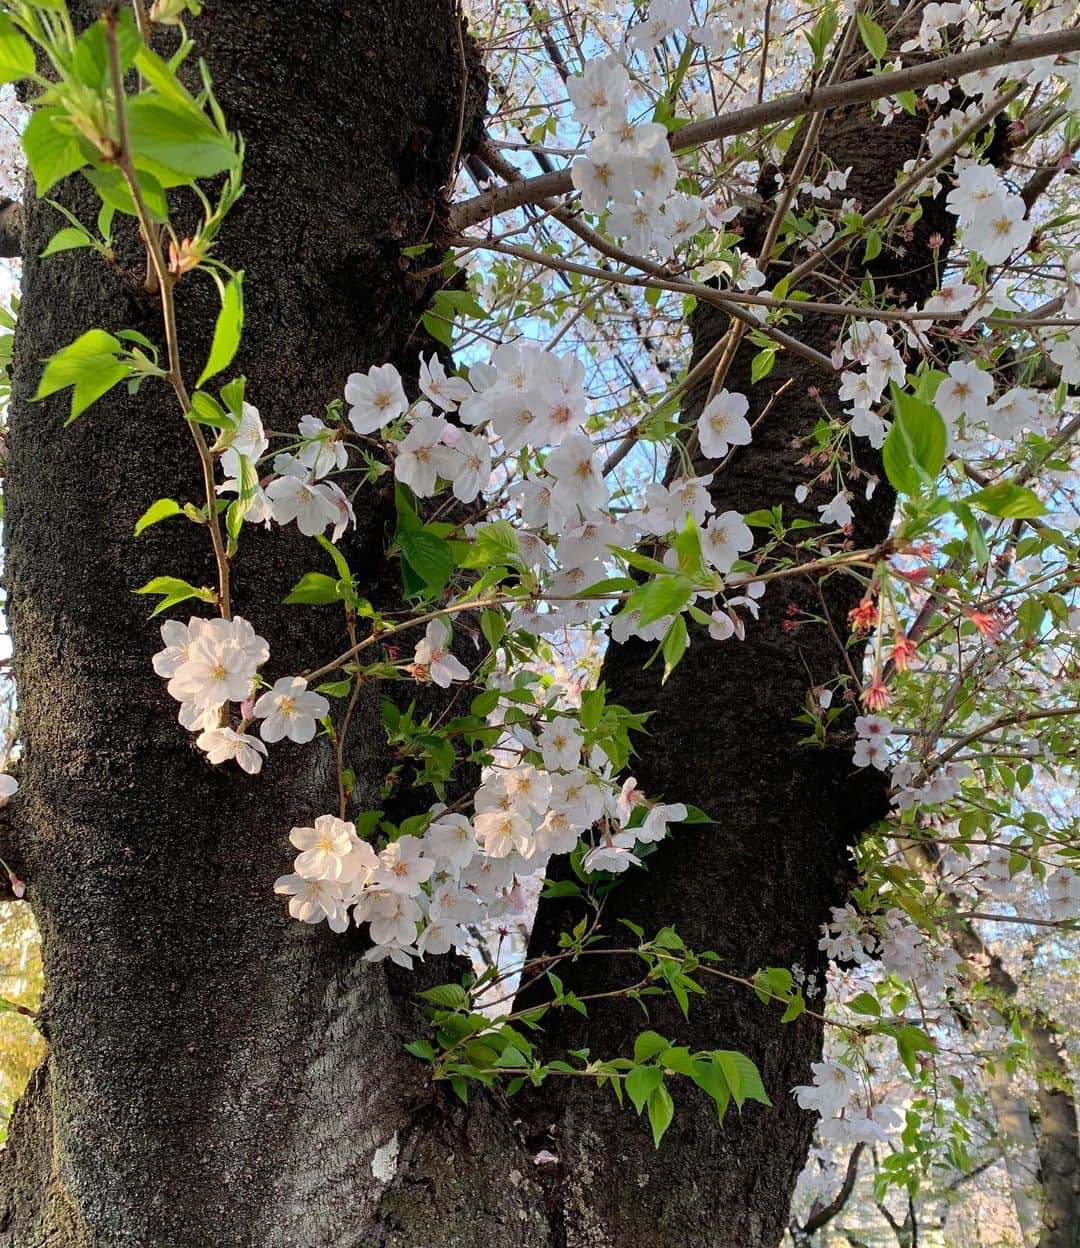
<point x="658" y="598"/>
<point x="562" y="888"/>
<point x="161" y="510"/>
<point x="742" y="1077"/>
<point x="821" y="36"/>
<point x="340" y="563"/>
<point x="206" y="410"/>
<point x="172" y="591"/>
<point x="864" y="1003"/>
<point x="421" y="1049"/>
<point x="90" y="364"/>
<point x="795" y="1007"/>
<point x="248" y="489"/>
<point x="114" y="192"/>
<point x="175" y="143"/>
<point x="51" y="146"/>
<point x="442" y="331"/>
<point x="232" y="395"/>
<point x="1005" y="498"/>
<point x="641" y="1082"/>
<point x="914" y="449"/>
<point x="511" y="1059"/>
<point x="314" y="589"/>
<point x="447" y="996"/>
<point x="67" y="239"/>
<point x="159" y="76"/>
<point x="493" y="545"/>
<point x="90" y="64"/>
<point x="763" y="519"/>
<point x="335" y="688"/>
<point x="493" y="626"/>
<point x="678" y="1059"/>
<point x="975" y="534"/>
<point x="429" y="556"/>
<point x="710" y="1078"/>
<point x="661" y="1112"/>
<point x="762" y="364"/>
<point x="16" y="54"/>
<point x="872" y="35"/>
<point x="674" y="645"/>
<point x="909" y="1041"/>
<point x="647" y="1045"/>
<point x="230" y="322"/>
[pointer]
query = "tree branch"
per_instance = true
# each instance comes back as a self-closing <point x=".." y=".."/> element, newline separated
<point x="862" y="90"/>
<point x="820" y="1217"/>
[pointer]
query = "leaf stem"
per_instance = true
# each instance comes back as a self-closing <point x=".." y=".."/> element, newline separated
<point x="165" y="283"/>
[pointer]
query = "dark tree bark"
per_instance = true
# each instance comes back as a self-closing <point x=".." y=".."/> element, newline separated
<point x="217" y="1073"/>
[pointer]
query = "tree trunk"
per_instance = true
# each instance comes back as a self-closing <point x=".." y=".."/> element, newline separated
<point x="217" y="1072"/>
<point x="1048" y="1207"/>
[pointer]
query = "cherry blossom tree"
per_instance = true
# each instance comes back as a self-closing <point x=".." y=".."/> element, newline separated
<point x="542" y="563"/>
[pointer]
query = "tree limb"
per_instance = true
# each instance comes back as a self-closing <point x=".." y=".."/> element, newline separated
<point x="783" y="108"/>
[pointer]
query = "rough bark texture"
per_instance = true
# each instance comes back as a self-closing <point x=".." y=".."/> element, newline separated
<point x="217" y="1073"/>
<point x="757" y="885"/>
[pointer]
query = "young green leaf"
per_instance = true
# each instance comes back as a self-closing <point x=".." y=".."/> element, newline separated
<point x="641" y="1082"/>
<point x="647" y="1045"/>
<point x="314" y="589"/>
<point x="90" y="364"/>
<point x="16" y="54"/>
<point x="206" y="410"/>
<point x="661" y="1112"/>
<point x="914" y="449"/>
<point x="674" y="645"/>
<point x="172" y="591"/>
<point x="447" y="996"/>
<point x="872" y="36"/>
<point x="248" y="489"/>
<point x="52" y="147"/>
<point x="429" y="556"/>
<point x="161" y="510"/>
<point x="67" y="239"/>
<point x="742" y="1077"/>
<point x="175" y="143"/>
<point x="1009" y="500"/>
<point x="230" y="322"/>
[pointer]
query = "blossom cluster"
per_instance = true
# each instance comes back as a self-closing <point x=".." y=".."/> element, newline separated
<point x="210" y="663"/>
<point x="629" y="167"/>
<point x="836" y="1095"/>
<point x="421" y="894"/>
<point x="993" y="218"/>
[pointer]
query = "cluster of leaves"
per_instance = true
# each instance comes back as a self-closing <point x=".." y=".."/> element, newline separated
<point x="468" y="1045"/>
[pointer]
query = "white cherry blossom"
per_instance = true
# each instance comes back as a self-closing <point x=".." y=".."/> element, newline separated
<point x="375" y="398"/>
<point x="290" y="710"/>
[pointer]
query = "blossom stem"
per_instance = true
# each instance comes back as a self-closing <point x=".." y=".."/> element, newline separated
<point x="343" y="730"/>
